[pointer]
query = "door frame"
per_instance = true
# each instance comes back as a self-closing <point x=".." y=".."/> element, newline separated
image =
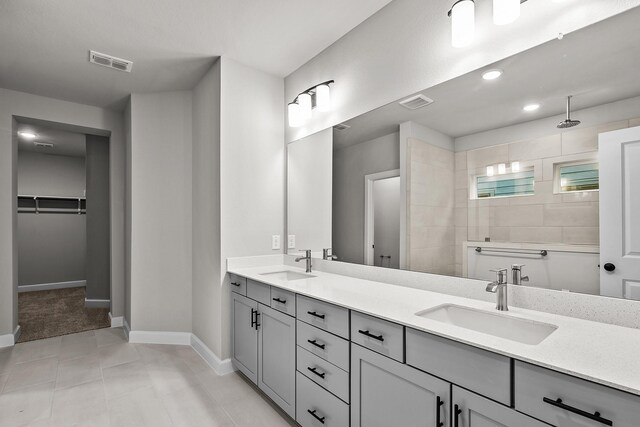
<point x="368" y="210"/>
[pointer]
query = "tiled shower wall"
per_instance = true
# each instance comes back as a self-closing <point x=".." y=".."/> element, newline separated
<point x="544" y="217"/>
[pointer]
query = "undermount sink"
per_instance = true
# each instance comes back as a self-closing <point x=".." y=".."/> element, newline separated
<point x="287" y="275"/>
<point x="504" y="326"/>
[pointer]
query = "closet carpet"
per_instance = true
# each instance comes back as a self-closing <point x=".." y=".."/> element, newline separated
<point x="46" y="314"/>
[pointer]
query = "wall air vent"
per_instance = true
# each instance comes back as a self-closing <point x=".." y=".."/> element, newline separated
<point x="110" y="61"/>
<point x="415" y="102"/>
<point x="342" y="126"/>
<point x="44" y="145"/>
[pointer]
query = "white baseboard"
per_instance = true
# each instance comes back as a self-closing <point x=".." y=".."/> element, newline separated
<point x="7" y="340"/>
<point x="116" y="322"/>
<point x="222" y="367"/>
<point x="16" y="334"/>
<point x="126" y="328"/>
<point x="49" y="286"/>
<point x="97" y="303"/>
<point x="157" y="337"/>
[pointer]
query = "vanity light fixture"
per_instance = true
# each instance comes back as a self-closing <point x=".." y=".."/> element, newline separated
<point x="462" y="16"/>
<point x="27" y="135"/>
<point x="502" y="169"/>
<point x="531" y="107"/>
<point x="492" y="74"/>
<point x="301" y="109"/>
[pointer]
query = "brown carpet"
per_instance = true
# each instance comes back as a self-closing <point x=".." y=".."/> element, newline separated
<point x="46" y="314"/>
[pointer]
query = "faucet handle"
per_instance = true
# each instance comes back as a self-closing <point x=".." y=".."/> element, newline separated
<point x="501" y="275"/>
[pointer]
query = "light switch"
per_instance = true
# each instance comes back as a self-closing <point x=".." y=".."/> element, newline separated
<point x="292" y="241"/>
<point x="275" y="241"/>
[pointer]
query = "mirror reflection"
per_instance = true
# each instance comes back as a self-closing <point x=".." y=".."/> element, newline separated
<point x="520" y="165"/>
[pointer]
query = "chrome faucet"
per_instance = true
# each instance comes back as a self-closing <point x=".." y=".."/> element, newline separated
<point x="306" y="257"/>
<point x="499" y="287"/>
<point x="327" y="254"/>
<point x="516" y="273"/>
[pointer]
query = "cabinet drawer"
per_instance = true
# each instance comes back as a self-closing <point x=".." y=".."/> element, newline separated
<point x="323" y="373"/>
<point x="324" y="315"/>
<point x="284" y="301"/>
<point x="317" y="407"/>
<point x="238" y="284"/>
<point x="378" y="335"/>
<point x="323" y="344"/>
<point x="483" y="372"/>
<point x="582" y="398"/>
<point x="259" y="292"/>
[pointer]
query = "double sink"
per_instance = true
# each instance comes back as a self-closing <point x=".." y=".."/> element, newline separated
<point x="515" y="329"/>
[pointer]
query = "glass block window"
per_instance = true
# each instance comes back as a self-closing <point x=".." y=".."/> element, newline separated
<point x="505" y="185"/>
<point x="579" y="177"/>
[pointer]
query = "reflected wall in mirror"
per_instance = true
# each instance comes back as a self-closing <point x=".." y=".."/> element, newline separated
<point x="473" y="174"/>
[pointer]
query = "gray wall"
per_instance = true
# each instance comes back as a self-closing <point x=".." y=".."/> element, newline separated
<point x="51" y="247"/>
<point x="98" y="218"/>
<point x="350" y="165"/>
<point x="386" y="200"/>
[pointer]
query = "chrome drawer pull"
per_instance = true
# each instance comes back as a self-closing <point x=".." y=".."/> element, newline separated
<point x="315" y="371"/>
<point x="281" y="301"/>
<point x="321" y="419"/>
<point x="314" y="342"/>
<point x="370" y="335"/>
<point x="315" y="314"/>
<point x="595" y="416"/>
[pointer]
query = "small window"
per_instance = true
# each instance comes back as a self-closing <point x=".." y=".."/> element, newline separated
<point x="505" y="185"/>
<point x="578" y="177"/>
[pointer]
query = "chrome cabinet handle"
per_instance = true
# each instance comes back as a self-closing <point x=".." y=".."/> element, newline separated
<point x="592" y="416"/>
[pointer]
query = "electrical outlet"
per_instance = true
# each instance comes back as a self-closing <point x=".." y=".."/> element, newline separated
<point x="292" y="241"/>
<point x="275" y="241"/>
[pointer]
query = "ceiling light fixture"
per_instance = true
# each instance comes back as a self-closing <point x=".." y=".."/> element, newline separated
<point x="505" y="11"/>
<point x="27" y="135"/>
<point x="531" y="107"/>
<point x="463" y="22"/>
<point x="301" y="109"/>
<point x="491" y="74"/>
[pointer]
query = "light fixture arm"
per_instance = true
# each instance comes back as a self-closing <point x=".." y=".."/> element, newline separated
<point x="312" y="89"/>
<point x="449" y="13"/>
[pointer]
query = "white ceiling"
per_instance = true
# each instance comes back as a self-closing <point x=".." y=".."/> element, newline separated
<point x="598" y="64"/>
<point x="44" y="44"/>
<point x="65" y="143"/>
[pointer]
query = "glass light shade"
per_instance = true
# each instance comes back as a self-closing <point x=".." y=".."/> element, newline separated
<point x="515" y="166"/>
<point x="489" y="170"/>
<point x="502" y="169"/>
<point x="27" y="135"/>
<point x="304" y="100"/>
<point x="505" y="11"/>
<point x="463" y="23"/>
<point x="294" y="115"/>
<point x="323" y="98"/>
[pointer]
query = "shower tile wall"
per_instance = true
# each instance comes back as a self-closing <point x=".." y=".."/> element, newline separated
<point x="541" y="218"/>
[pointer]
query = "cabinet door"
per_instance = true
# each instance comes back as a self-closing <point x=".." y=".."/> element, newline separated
<point x="473" y="410"/>
<point x="277" y="357"/>
<point x="244" y="338"/>
<point x="388" y="393"/>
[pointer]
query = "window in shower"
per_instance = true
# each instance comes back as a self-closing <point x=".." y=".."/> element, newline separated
<point x="511" y="184"/>
<point x="576" y="176"/>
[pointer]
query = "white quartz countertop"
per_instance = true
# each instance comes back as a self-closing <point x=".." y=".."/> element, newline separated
<point x="598" y="352"/>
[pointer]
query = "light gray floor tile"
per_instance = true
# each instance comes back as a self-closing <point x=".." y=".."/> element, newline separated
<point x="193" y="406"/>
<point x="82" y="404"/>
<point x="7" y="360"/>
<point x="26" y="405"/>
<point x="78" y="346"/>
<point x="3" y="379"/>
<point x="31" y="373"/>
<point x="255" y="411"/>
<point x="34" y="350"/>
<point x="140" y="408"/>
<point x="78" y="371"/>
<point x="117" y="354"/>
<point x="225" y="389"/>
<point x="80" y="336"/>
<point x="151" y="352"/>
<point x="194" y="361"/>
<point x="125" y="378"/>
<point x="110" y="336"/>
<point x="170" y="375"/>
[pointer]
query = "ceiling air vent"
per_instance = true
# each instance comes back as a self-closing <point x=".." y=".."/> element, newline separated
<point x="416" y="102"/>
<point x="110" y="61"/>
<point x="342" y="126"/>
<point x="42" y="144"/>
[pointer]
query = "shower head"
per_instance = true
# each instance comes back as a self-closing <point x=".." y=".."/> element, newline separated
<point x="568" y="123"/>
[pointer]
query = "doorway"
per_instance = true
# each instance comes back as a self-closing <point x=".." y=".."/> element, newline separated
<point x="63" y="231"/>
<point x="382" y="219"/>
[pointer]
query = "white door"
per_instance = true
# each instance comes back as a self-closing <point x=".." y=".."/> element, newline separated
<point x="370" y="214"/>
<point x="619" y="153"/>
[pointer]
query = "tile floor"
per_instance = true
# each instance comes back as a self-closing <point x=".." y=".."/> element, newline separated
<point x="97" y="378"/>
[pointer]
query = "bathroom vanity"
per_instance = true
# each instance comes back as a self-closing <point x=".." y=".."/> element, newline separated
<point x="332" y="350"/>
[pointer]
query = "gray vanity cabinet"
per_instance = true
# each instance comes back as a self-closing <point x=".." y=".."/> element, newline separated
<point x="472" y="410"/>
<point x="277" y="357"/>
<point x="244" y="339"/>
<point x="386" y="393"/>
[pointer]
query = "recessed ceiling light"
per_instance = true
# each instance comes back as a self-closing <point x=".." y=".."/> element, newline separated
<point x="491" y="74"/>
<point x="27" y="135"/>
<point x="531" y="107"/>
